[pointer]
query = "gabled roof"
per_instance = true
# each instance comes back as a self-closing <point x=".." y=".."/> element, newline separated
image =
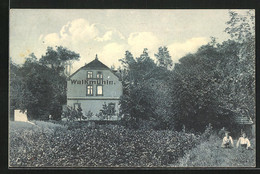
<point x="243" y="120"/>
<point x="93" y="65"/>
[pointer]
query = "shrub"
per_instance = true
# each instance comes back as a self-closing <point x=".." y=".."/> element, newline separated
<point x="88" y="115"/>
<point x="72" y="114"/>
<point x="101" y="146"/>
<point x="207" y="133"/>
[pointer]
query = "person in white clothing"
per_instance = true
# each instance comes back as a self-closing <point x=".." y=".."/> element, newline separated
<point x="243" y="142"/>
<point x="227" y="141"/>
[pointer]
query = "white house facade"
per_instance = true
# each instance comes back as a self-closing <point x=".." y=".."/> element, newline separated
<point x="93" y="86"/>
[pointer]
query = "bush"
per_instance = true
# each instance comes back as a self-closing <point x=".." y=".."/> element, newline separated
<point x="100" y="146"/>
<point x="72" y="114"/>
<point x="207" y="133"/>
<point x="88" y="115"/>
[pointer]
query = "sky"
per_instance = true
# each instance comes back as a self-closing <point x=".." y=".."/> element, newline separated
<point x="109" y="33"/>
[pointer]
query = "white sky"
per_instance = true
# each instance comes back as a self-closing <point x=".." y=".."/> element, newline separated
<point x="109" y="33"/>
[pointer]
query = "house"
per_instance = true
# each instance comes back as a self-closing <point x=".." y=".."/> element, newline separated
<point x="246" y="124"/>
<point x="93" y="86"/>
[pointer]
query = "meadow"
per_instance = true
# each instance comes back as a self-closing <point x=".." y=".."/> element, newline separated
<point x="210" y="154"/>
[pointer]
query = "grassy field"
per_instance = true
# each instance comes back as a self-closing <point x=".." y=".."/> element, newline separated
<point x="210" y="154"/>
<point x="42" y="144"/>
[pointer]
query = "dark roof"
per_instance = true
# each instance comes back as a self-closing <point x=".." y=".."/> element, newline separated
<point x="243" y="119"/>
<point x="93" y="65"/>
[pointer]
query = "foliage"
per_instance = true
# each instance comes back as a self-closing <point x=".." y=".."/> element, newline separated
<point x="88" y="115"/>
<point x="241" y="27"/>
<point x="207" y="133"/>
<point x="163" y="57"/>
<point x="195" y="80"/>
<point x="210" y="154"/>
<point x="72" y="114"/>
<point x="38" y="88"/>
<point x="106" y="112"/>
<point x="216" y="84"/>
<point x="104" y="146"/>
<point x="58" y="58"/>
<point x="15" y="90"/>
<point x="145" y="92"/>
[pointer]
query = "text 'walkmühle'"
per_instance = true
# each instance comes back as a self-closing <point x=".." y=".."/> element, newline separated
<point x="92" y="86"/>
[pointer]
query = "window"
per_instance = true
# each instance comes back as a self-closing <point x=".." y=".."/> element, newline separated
<point x="90" y="90"/>
<point x="89" y="74"/>
<point x="99" y="75"/>
<point x="111" y="108"/>
<point x="99" y="90"/>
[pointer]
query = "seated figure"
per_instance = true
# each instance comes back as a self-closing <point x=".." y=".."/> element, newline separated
<point x="227" y="141"/>
<point x="243" y="142"/>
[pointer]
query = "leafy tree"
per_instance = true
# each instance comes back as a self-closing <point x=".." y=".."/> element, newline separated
<point x="163" y="57"/>
<point x="241" y="27"/>
<point x="15" y="88"/>
<point x="209" y="87"/>
<point x="41" y="88"/>
<point x="37" y="91"/>
<point x="59" y="58"/>
<point x="216" y="84"/>
<point x="193" y="81"/>
<point x="144" y="89"/>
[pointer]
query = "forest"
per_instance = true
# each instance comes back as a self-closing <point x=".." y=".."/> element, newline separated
<point x="211" y="86"/>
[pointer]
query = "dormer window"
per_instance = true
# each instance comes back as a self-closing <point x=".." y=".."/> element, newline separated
<point x="99" y="75"/>
<point x="89" y="74"/>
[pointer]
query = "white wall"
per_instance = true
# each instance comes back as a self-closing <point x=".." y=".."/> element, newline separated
<point x="19" y="116"/>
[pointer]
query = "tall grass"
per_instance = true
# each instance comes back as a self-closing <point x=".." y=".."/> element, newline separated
<point x="210" y="154"/>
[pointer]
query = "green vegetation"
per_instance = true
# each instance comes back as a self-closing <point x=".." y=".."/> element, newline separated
<point x="159" y="105"/>
<point x="51" y="145"/>
<point x="210" y="154"/>
<point x="214" y="85"/>
<point x="39" y="86"/>
<point x="46" y="144"/>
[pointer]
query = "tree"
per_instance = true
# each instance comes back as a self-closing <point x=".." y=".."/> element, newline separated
<point x="209" y="87"/>
<point x="163" y="57"/>
<point x="40" y="86"/>
<point x="241" y="28"/>
<point x="15" y="88"/>
<point x="216" y="84"/>
<point x="145" y="92"/>
<point x="59" y="58"/>
<point x="193" y="80"/>
<point x="37" y="91"/>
